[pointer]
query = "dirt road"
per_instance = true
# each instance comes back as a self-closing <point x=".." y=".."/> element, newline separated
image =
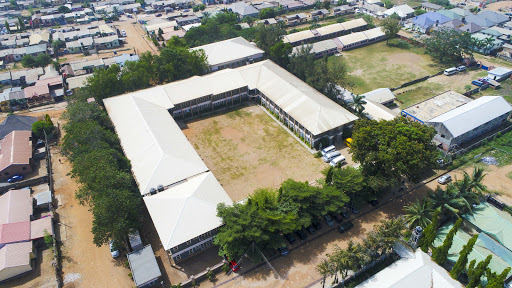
<point x="83" y="264"/>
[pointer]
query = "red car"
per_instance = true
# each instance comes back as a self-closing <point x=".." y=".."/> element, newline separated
<point x="234" y="266"/>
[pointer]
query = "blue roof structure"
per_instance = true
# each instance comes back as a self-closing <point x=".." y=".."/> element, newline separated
<point x="429" y="19"/>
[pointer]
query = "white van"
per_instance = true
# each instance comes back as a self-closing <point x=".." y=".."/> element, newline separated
<point x="329" y="156"/>
<point x="328" y="150"/>
<point x="334" y="162"/>
<point x="450" y="71"/>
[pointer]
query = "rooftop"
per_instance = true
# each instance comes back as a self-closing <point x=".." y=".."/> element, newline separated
<point x="229" y="50"/>
<point x="143" y="265"/>
<point x="16" y="148"/>
<point x="16" y="122"/>
<point x="474" y="114"/>
<point x="437" y="105"/>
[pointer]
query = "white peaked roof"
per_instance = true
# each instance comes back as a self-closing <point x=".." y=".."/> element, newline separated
<point x="229" y="50"/>
<point x="402" y="10"/>
<point x="159" y="152"/>
<point x="310" y="108"/>
<point x="187" y="209"/>
<point x="417" y="272"/>
<point x="473" y="114"/>
<point x="380" y="95"/>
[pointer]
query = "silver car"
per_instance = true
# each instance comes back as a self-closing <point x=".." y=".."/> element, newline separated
<point x="113" y="250"/>
<point x="444" y="179"/>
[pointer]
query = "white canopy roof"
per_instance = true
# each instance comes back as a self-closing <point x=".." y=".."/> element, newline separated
<point x="159" y="152"/>
<point x="229" y="50"/>
<point x="187" y="209"/>
<point x="418" y="272"/>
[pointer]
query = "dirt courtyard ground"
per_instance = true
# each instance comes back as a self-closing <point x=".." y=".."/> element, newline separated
<point x="496" y="6"/>
<point x="246" y="150"/>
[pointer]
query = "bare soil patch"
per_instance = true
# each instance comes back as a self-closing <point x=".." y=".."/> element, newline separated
<point x="246" y="150"/>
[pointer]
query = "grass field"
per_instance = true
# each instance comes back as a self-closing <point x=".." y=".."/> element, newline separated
<point x="379" y="65"/>
<point x="246" y="149"/>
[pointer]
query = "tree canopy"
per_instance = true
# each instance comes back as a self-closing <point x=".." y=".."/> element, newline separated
<point x="42" y="126"/>
<point x="389" y="150"/>
<point x="391" y="27"/>
<point x="266" y="13"/>
<point x="448" y="46"/>
<point x="41" y="60"/>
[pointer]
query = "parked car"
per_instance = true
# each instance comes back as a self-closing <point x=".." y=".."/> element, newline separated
<point x="234" y="266"/>
<point x="329" y="149"/>
<point x="345" y="227"/>
<point x="331" y="155"/>
<point x="461" y="68"/>
<point x="444" y="179"/>
<point x="479" y="83"/>
<point x="345" y="214"/>
<point x="334" y="162"/>
<point x="337" y="217"/>
<point x="123" y="33"/>
<point x="113" y="250"/>
<point x="317" y="225"/>
<point x="15" y="178"/>
<point x="311" y="229"/>
<point x="158" y="15"/>
<point x="373" y="203"/>
<point x="450" y="71"/>
<point x="290" y="238"/>
<point x="284" y="251"/>
<point x="301" y="235"/>
<point x="328" y="220"/>
<point x="186" y="10"/>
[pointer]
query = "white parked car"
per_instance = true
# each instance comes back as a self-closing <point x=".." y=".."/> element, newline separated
<point x="113" y="250"/>
<point x="461" y="68"/>
<point x="331" y="155"/>
<point x="123" y="33"/>
<point x="444" y="179"/>
<point x="334" y="162"/>
<point x="329" y="149"/>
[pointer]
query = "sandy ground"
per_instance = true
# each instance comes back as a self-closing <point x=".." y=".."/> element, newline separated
<point x="246" y="149"/>
<point x="135" y="37"/>
<point x="506" y="5"/>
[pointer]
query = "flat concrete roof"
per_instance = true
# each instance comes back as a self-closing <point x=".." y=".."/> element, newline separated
<point x="437" y="105"/>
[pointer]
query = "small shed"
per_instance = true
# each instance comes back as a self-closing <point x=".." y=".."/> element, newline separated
<point x="135" y="240"/>
<point x="499" y="73"/>
<point x="145" y="270"/>
<point x="43" y="199"/>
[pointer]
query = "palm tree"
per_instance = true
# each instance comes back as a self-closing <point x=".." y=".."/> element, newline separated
<point x="449" y="200"/>
<point x="475" y="184"/>
<point x="324" y="268"/>
<point x="342" y="263"/>
<point x="418" y="214"/>
<point x="358" y="103"/>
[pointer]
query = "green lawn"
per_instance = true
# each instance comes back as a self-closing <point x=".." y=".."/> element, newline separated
<point x="505" y="90"/>
<point x="419" y="92"/>
<point x="411" y="3"/>
<point x="382" y="66"/>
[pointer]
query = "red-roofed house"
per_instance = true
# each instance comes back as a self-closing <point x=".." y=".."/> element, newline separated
<point x="35" y="94"/>
<point x="15" y="259"/>
<point x="16" y="154"/>
<point x="14" y="232"/>
<point x="16" y="206"/>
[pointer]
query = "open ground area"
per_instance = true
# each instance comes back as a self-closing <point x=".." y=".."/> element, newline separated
<point x="379" y="65"/>
<point x="246" y="150"/>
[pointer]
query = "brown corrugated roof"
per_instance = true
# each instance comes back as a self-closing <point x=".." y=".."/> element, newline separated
<point x="16" y="148"/>
<point x="36" y="91"/>
<point x="16" y="254"/>
<point x="37" y="227"/>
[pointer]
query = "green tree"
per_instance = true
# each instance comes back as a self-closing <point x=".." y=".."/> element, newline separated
<point x="267" y="37"/>
<point x="42" y="126"/>
<point x="473" y="183"/>
<point x="324" y="268"/>
<point x="447" y="46"/>
<point x="326" y="5"/>
<point x="369" y="20"/>
<point x="280" y="52"/>
<point x="390" y="150"/>
<point x="21" y="24"/>
<point x="390" y="27"/>
<point x="48" y="239"/>
<point x="14" y="4"/>
<point x="7" y="27"/>
<point x="476" y="273"/>
<point x="358" y="103"/>
<point x="388" y="4"/>
<point x="418" y="12"/>
<point x="384" y="235"/>
<point x="349" y="180"/>
<point x="28" y="61"/>
<point x="301" y="61"/>
<point x="248" y="19"/>
<point x="258" y="221"/>
<point x="440" y="254"/>
<point x="497" y="280"/>
<point x="328" y="76"/>
<point x="429" y="233"/>
<point x="449" y="201"/>
<point x="418" y="214"/>
<point x="461" y="263"/>
<point x="64" y="9"/>
<point x="266" y="13"/>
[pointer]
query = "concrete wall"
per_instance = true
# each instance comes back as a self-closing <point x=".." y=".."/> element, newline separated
<point x="15" y="170"/>
<point x="14" y="271"/>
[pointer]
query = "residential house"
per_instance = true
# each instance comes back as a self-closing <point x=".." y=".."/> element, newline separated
<point x="453" y="24"/>
<point x="499" y="74"/>
<point x="267" y="22"/>
<point x="342" y="10"/>
<point x="471" y="28"/>
<point x="77" y="81"/>
<point x="291" y="5"/>
<point x="430" y="7"/>
<point x="16" y="154"/>
<point x="230" y="53"/>
<point x="80" y="45"/>
<point x="469" y="121"/>
<point x="429" y="20"/>
<point x="35" y="21"/>
<point x="295" y="19"/>
<point x="39" y="38"/>
<point x="108" y="42"/>
<point x="36" y="94"/>
<point x="36" y="50"/>
<point x="461" y="12"/>
<point x="403" y="11"/>
<point x="183" y="21"/>
<point x="319" y="14"/>
<point x="490" y="47"/>
<point x="487" y="18"/>
<point x="373" y="10"/>
<point x="383" y="96"/>
<point x="16" y="123"/>
<point x="243" y="9"/>
<point x="450" y="14"/>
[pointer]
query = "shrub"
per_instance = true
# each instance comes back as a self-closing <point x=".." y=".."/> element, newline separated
<point x="48" y="239"/>
<point x="226" y="268"/>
